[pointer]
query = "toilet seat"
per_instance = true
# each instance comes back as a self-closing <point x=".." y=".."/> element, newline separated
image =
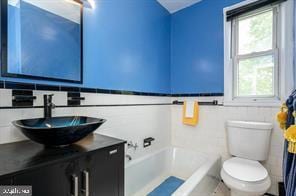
<point x="245" y="175"/>
<point x="245" y="170"/>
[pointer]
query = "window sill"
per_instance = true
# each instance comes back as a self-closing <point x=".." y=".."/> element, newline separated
<point x="253" y="104"/>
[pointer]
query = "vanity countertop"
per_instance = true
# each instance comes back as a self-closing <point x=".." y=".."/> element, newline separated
<point x="26" y="155"/>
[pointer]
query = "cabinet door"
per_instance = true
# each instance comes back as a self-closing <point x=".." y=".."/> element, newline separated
<point x="5" y="181"/>
<point x="109" y="172"/>
<point x="54" y="180"/>
<point x="105" y="170"/>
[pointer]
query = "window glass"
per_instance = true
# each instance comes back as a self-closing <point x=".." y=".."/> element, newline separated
<point x="255" y="76"/>
<point x="254" y="58"/>
<point x="255" y="33"/>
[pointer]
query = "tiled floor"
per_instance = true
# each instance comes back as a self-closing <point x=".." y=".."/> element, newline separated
<point x="221" y="190"/>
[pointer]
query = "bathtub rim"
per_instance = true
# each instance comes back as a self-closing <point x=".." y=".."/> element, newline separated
<point x="171" y="148"/>
<point x="188" y="186"/>
<point x="210" y="160"/>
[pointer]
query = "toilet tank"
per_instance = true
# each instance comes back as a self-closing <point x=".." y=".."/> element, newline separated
<point x="249" y="140"/>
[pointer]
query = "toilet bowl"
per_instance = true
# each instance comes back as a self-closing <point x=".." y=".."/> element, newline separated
<point x="248" y="143"/>
<point x="245" y="177"/>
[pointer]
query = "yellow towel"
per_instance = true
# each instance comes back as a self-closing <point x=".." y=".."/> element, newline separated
<point x="191" y="121"/>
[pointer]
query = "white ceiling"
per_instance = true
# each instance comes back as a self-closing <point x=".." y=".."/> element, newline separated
<point x="176" y="5"/>
<point x="66" y="9"/>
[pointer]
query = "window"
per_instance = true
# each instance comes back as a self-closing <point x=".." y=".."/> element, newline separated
<point x="255" y="54"/>
<point x="254" y="48"/>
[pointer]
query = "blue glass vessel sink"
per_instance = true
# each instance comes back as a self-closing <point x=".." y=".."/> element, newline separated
<point x="57" y="131"/>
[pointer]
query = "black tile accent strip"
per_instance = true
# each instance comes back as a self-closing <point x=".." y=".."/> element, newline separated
<point x="103" y="91"/>
<point x="199" y="95"/>
<point x="88" y="90"/>
<point x="47" y="87"/>
<point x="30" y="86"/>
<point x="20" y="107"/>
<point x="70" y="89"/>
<point x="214" y="103"/>
<point x="19" y="85"/>
<point x="84" y="106"/>
<point x="116" y="92"/>
<point x="22" y="98"/>
<point x="115" y="105"/>
<point x="108" y="105"/>
<point x="217" y="94"/>
<point x="74" y="98"/>
<point x="128" y="93"/>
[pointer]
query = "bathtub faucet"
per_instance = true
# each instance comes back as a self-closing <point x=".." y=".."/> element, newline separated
<point x="129" y="157"/>
<point x="130" y="144"/>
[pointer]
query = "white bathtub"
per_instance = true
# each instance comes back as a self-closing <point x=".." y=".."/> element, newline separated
<point x="200" y="172"/>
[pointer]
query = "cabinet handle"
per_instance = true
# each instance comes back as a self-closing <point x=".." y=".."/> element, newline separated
<point x="85" y="189"/>
<point x="74" y="185"/>
<point x="113" y="152"/>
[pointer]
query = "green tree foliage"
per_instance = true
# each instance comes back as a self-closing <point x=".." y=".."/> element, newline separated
<point x="255" y="75"/>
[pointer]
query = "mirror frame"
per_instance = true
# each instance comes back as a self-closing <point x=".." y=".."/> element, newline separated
<point x="4" y="49"/>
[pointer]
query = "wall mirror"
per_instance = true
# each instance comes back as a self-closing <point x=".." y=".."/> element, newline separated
<point x="42" y="39"/>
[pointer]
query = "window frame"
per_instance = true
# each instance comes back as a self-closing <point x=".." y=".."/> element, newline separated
<point x="282" y="51"/>
<point x="236" y="57"/>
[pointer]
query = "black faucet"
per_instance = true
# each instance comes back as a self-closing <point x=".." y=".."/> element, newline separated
<point x="48" y="105"/>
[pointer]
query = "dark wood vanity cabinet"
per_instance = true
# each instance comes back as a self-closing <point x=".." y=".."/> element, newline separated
<point x="103" y="174"/>
<point x="6" y="181"/>
<point x="108" y="178"/>
<point x="98" y="172"/>
<point x="46" y="181"/>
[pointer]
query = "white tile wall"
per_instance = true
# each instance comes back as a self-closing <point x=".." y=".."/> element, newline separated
<point x="5" y="97"/>
<point x="164" y="123"/>
<point x="209" y="135"/>
<point x="59" y="98"/>
<point x="128" y="122"/>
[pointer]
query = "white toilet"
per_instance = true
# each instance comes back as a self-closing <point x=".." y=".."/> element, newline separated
<point x="248" y="142"/>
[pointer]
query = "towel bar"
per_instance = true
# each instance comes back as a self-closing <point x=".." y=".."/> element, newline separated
<point x="214" y="102"/>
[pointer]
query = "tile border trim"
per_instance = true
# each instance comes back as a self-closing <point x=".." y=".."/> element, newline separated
<point x="84" y="106"/>
<point x="33" y="86"/>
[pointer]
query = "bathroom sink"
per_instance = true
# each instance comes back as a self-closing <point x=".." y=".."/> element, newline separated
<point x="57" y="131"/>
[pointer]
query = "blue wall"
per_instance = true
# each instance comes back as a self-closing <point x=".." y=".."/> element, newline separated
<point x="197" y="57"/>
<point x="126" y="47"/>
<point x="138" y="46"/>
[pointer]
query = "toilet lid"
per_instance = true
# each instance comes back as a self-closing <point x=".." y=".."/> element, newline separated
<point x="245" y="170"/>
